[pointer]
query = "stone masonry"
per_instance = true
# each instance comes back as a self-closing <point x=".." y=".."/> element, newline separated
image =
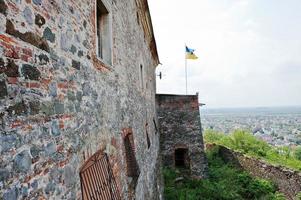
<point x="287" y="180"/>
<point x="60" y="103"/>
<point x="180" y="129"/>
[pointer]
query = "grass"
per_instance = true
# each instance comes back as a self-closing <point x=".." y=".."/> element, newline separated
<point x="248" y="144"/>
<point x="225" y="182"/>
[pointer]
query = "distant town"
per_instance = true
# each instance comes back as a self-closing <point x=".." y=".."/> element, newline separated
<point x="279" y="126"/>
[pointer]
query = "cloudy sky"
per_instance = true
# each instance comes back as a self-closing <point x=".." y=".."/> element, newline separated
<point x="249" y="50"/>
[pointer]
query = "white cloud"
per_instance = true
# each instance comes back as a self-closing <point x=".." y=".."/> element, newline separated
<point x="237" y="54"/>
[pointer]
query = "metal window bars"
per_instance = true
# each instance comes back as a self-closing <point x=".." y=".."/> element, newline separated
<point x="97" y="180"/>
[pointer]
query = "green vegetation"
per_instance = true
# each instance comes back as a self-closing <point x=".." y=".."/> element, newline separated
<point x="248" y="144"/>
<point x="298" y="153"/>
<point x="224" y="183"/>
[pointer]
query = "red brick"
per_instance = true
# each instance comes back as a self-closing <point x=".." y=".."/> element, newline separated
<point x="45" y="82"/>
<point x="46" y="171"/>
<point x="62" y="85"/>
<point x="6" y="45"/>
<point x="12" y="80"/>
<point x="33" y="85"/>
<point x="61" y="124"/>
<point x="16" y="123"/>
<point x="27" y="179"/>
<point x="63" y="163"/>
<point x="7" y="39"/>
<point x="25" y="58"/>
<point x="12" y="52"/>
<point x="60" y="148"/>
<point x="27" y="52"/>
<point x="13" y="7"/>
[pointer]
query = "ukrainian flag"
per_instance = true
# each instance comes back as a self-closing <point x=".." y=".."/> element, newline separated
<point x="190" y="54"/>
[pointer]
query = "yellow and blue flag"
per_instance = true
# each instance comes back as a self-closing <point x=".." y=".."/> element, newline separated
<point x="190" y="54"/>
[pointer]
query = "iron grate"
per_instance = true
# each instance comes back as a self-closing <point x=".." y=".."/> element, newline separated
<point x="97" y="180"/>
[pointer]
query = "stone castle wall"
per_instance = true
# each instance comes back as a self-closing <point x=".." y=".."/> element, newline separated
<point x="180" y="127"/>
<point x="288" y="181"/>
<point x="59" y="104"/>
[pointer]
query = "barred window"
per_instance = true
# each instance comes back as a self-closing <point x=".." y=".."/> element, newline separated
<point x="97" y="180"/>
<point x="132" y="167"/>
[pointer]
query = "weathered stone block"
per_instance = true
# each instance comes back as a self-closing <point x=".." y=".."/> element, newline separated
<point x="65" y="42"/>
<point x="47" y="108"/>
<point x="17" y="109"/>
<point x="3" y="89"/>
<point x="39" y="20"/>
<point x="79" y="96"/>
<point x="43" y="58"/>
<point x="27" y="13"/>
<point x="50" y="188"/>
<point x="11" y="194"/>
<point x="35" y="151"/>
<point x="59" y="107"/>
<point x="53" y="89"/>
<point x="37" y="2"/>
<point x="68" y="176"/>
<point x="8" y="142"/>
<point x="34" y="107"/>
<point x="34" y="185"/>
<point x="29" y="37"/>
<point x="76" y="64"/>
<point x="22" y="162"/>
<point x="11" y="69"/>
<point x="55" y="130"/>
<point x="71" y="95"/>
<point x="1" y="62"/>
<point x="3" y="7"/>
<point x="50" y="149"/>
<point x="73" y="49"/>
<point x="80" y="53"/>
<point x="4" y="175"/>
<point x="30" y="72"/>
<point x="48" y="35"/>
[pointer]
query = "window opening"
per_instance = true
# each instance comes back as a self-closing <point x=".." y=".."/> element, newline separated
<point x="97" y="180"/>
<point x="103" y="32"/>
<point x="147" y="136"/>
<point x="155" y="125"/>
<point x="141" y="77"/>
<point x="132" y="168"/>
<point x="181" y="158"/>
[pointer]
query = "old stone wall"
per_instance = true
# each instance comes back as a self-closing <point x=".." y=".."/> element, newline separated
<point x="288" y="181"/>
<point x="180" y="127"/>
<point x="59" y="103"/>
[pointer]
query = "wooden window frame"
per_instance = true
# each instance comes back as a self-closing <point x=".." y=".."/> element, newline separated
<point x="103" y="26"/>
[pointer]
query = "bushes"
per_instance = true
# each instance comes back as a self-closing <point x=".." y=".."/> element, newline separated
<point x="298" y="153"/>
<point x="224" y="183"/>
<point x="248" y="144"/>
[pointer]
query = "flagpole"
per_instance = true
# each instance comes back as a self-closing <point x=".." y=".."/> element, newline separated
<point x="186" y="72"/>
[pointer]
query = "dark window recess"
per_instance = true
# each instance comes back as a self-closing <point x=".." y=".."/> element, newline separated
<point x="147" y="136"/>
<point x="155" y="125"/>
<point x="132" y="167"/>
<point x="141" y="77"/>
<point x="181" y="158"/>
<point x="103" y="32"/>
<point x="97" y="180"/>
